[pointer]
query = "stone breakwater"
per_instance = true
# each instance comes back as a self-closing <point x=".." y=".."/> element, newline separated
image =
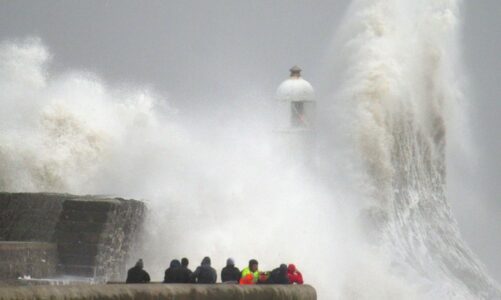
<point x="38" y="259"/>
<point x="162" y="291"/>
<point x="62" y="234"/>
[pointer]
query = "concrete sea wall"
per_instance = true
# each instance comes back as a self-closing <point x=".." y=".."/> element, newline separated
<point x="92" y="234"/>
<point x="162" y="291"/>
<point x="37" y="259"/>
<point x="29" y="216"/>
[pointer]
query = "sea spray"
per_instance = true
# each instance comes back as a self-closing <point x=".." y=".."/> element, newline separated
<point x="402" y="81"/>
<point x="222" y="191"/>
<point x="227" y="195"/>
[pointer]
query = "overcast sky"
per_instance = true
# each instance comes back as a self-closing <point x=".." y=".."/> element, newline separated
<point x="189" y="49"/>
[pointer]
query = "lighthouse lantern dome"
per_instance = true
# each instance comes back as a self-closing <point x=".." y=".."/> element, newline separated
<point x="297" y="99"/>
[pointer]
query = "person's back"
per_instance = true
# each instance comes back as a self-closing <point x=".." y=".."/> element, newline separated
<point x="294" y="275"/>
<point x="136" y="274"/>
<point x="279" y="275"/>
<point x="230" y="273"/>
<point x="185" y="271"/>
<point x="204" y="273"/>
<point x="173" y="273"/>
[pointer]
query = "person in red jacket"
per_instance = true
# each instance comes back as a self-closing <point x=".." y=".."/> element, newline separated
<point x="294" y="275"/>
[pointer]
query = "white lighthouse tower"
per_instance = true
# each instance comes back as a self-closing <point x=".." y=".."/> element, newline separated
<point x="296" y="117"/>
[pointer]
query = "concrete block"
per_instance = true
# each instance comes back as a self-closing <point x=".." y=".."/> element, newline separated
<point x="91" y="232"/>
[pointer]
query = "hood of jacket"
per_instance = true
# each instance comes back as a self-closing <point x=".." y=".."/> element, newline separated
<point x="174" y="264"/>
<point x="206" y="261"/>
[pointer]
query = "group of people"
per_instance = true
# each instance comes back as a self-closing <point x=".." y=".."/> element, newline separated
<point x="178" y="272"/>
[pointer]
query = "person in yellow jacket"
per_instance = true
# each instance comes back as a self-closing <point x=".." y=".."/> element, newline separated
<point x="250" y="275"/>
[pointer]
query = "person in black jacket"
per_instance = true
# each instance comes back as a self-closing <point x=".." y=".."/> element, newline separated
<point x="279" y="275"/>
<point x="185" y="272"/>
<point x="230" y="273"/>
<point x="173" y="274"/>
<point x="205" y="273"/>
<point x="136" y="274"/>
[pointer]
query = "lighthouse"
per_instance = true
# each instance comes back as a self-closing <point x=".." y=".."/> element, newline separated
<point x="295" y="117"/>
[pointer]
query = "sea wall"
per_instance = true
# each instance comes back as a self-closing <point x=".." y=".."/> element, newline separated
<point x="93" y="234"/>
<point x="29" y="216"/>
<point x="36" y="259"/>
<point x="162" y="291"/>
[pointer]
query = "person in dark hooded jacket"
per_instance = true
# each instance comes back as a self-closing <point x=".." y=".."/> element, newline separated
<point x="230" y="273"/>
<point x="136" y="274"/>
<point x="174" y="273"/>
<point x="204" y="273"/>
<point x="186" y="272"/>
<point x="279" y="275"/>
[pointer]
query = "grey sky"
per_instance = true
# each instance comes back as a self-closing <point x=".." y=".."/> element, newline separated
<point x="190" y="49"/>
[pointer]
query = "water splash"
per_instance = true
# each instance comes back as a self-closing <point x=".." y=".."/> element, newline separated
<point x="220" y="191"/>
<point x="402" y="80"/>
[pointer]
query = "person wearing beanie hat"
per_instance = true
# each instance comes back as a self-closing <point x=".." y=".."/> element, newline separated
<point x="136" y="274"/>
<point x="250" y="275"/>
<point x="230" y="273"/>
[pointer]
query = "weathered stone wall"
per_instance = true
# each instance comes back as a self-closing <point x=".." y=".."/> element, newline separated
<point x="29" y="217"/>
<point x="93" y="234"/>
<point x="163" y="291"/>
<point x="36" y="259"/>
<point x="117" y="239"/>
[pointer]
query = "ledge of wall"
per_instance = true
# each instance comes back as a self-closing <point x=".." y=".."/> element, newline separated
<point x="162" y="291"/>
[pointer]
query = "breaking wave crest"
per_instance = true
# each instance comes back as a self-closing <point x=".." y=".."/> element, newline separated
<point x="403" y="81"/>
